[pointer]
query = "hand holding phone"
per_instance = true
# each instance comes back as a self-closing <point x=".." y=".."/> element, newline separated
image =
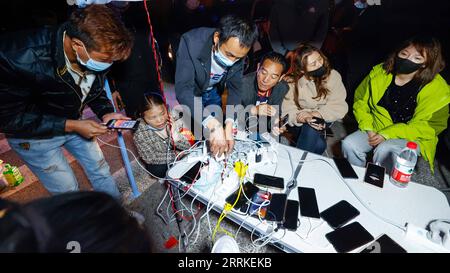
<point x="318" y="121"/>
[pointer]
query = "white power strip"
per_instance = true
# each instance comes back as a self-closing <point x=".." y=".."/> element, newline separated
<point x="419" y="235"/>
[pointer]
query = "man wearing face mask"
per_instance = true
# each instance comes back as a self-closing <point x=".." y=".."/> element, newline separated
<point x="47" y="77"/>
<point x="403" y="99"/>
<point x="208" y="61"/>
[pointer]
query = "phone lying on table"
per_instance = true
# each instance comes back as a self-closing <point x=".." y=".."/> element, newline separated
<point x="268" y="181"/>
<point x="374" y="175"/>
<point x="349" y="237"/>
<point x="275" y="211"/>
<point x="290" y="221"/>
<point x="122" y="124"/>
<point x="339" y="214"/>
<point x="345" y="168"/>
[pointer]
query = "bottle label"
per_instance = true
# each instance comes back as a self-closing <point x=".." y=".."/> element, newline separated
<point x="402" y="173"/>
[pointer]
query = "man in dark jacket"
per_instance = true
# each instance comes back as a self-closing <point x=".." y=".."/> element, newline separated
<point x="47" y="77"/>
<point x="208" y="61"/>
<point x="264" y="90"/>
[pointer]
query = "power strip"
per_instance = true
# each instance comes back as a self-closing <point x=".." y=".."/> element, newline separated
<point x="420" y="236"/>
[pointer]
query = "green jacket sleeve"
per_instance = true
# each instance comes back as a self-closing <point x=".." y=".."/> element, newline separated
<point x="361" y="108"/>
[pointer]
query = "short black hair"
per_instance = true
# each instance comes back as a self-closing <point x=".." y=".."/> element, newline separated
<point x="234" y="26"/>
<point x="276" y="58"/>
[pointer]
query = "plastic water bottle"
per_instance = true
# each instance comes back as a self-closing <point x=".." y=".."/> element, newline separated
<point x="404" y="165"/>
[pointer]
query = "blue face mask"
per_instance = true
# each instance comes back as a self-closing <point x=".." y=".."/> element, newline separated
<point x="92" y="64"/>
<point x="361" y="5"/>
<point x="222" y="60"/>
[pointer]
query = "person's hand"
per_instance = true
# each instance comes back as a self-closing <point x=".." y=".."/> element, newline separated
<point x="218" y="143"/>
<point x="370" y="134"/>
<point x="117" y="99"/>
<point x="302" y="116"/>
<point x="86" y="128"/>
<point x="263" y="109"/>
<point x="276" y="131"/>
<point x="229" y="137"/>
<point x="375" y="140"/>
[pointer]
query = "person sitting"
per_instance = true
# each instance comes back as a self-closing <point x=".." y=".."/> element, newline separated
<point x="264" y="90"/>
<point x="76" y="222"/>
<point x="316" y="91"/>
<point x="403" y="99"/>
<point x="156" y="134"/>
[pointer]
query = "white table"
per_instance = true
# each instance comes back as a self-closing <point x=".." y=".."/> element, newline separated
<point x="416" y="204"/>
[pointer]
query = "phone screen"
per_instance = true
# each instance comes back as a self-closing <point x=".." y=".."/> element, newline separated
<point x="122" y="124"/>
<point x="275" y="211"/>
<point x="345" y="168"/>
<point x="291" y="215"/>
<point x="308" y="202"/>
<point x="318" y="121"/>
<point x="339" y="214"/>
<point x="349" y="237"/>
<point x="268" y="180"/>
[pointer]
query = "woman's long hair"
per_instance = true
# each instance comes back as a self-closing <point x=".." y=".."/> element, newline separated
<point x="428" y="47"/>
<point x="298" y="60"/>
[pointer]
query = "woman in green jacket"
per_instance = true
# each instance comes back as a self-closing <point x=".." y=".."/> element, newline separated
<point x="403" y="99"/>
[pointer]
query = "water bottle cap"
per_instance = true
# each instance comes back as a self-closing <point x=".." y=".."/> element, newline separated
<point x="411" y="145"/>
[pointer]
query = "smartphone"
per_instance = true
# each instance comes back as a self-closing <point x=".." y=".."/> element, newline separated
<point x="374" y="175"/>
<point x="258" y="200"/>
<point x="339" y="214"/>
<point x="318" y="121"/>
<point x="349" y="237"/>
<point x="345" y="168"/>
<point x="275" y="211"/>
<point x="283" y="121"/>
<point x="384" y="244"/>
<point x="122" y="124"/>
<point x="249" y="189"/>
<point x="308" y="202"/>
<point x="192" y="174"/>
<point x="268" y="181"/>
<point x="290" y="221"/>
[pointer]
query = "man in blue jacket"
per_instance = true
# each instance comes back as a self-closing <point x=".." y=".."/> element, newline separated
<point x="47" y="77"/>
<point x="208" y="61"/>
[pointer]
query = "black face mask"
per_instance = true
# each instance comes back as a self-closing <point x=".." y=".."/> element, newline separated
<point x="319" y="72"/>
<point x="405" y="66"/>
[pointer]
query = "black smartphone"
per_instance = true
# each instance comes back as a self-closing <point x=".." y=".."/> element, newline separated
<point x="308" y="202"/>
<point x="249" y="189"/>
<point x="384" y="244"/>
<point x="318" y="121"/>
<point x="374" y="175"/>
<point x="122" y="124"/>
<point x="339" y="214"/>
<point x="268" y="181"/>
<point x="275" y="211"/>
<point x="283" y="121"/>
<point x="290" y="221"/>
<point x="345" y="168"/>
<point x="192" y="174"/>
<point x="349" y="237"/>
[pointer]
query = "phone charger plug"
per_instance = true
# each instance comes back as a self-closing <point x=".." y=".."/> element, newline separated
<point x="420" y="236"/>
